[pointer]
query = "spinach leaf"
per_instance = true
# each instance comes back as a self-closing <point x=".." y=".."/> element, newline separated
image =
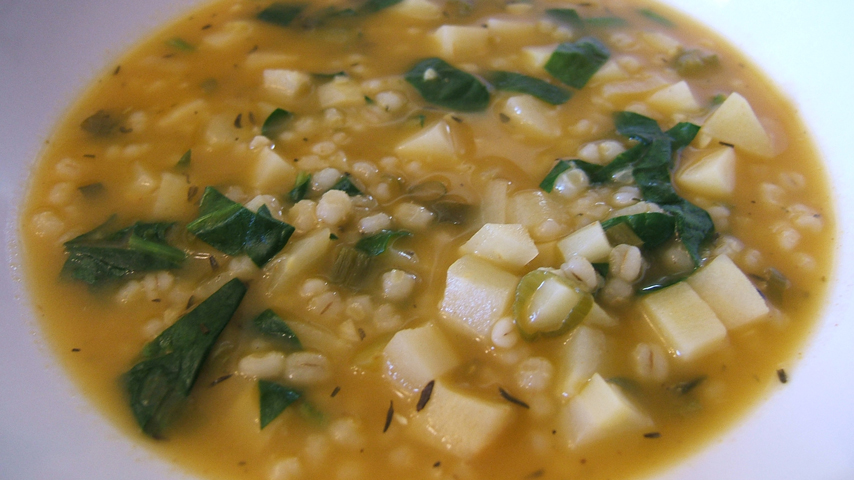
<point x="566" y="15"/>
<point x="184" y="161"/>
<point x="378" y="243"/>
<point x="575" y="63"/>
<point x="373" y="6"/>
<point x="161" y="382"/>
<point x="652" y="228"/>
<point x="275" y="123"/>
<point x="273" y="399"/>
<point x="233" y="229"/>
<point x="605" y="22"/>
<point x="346" y="185"/>
<point x="516" y="82"/>
<point x="102" y="123"/>
<point x="99" y="256"/>
<point x="281" y="14"/>
<point x="273" y="326"/>
<point x="442" y="84"/>
<point x="301" y="185"/>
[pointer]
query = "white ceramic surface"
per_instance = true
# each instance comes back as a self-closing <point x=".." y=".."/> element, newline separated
<point x="49" y="50"/>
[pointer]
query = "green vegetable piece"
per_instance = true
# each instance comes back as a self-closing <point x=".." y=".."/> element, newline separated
<point x="301" y="185"/>
<point x="548" y="183"/>
<point x="378" y="243"/>
<point x="652" y="228"/>
<point x="575" y="63"/>
<point x="622" y="233"/>
<point x="636" y="126"/>
<point x="346" y="185"/>
<point x="100" y="256"/>
<point x="605" y="22"/>
<point x="184" y="161"/>
<point x="92" y="190"/>
<point x="602" y="268"/>
<point x="272" y="325"/>
<point x="657" y="18"/>
<point x="180" y="44"/>
<point x="516" y="82"/>
<point x="351" y="267"/>
<point x="450" y="211"/>
<point x="776" y="285"/>
<point x="161" y="382"/>
<point x="373" y="6"/>
<point x="428" y="191"/>
<point x="281" y="14"/>
<point x="567" y="16"/>
<point x="101" y="123"/>
<point x="684" y="388"/>
<point x="276" y="123"/>
<point x="695" y="62"/>
<point x="442" y="84"/>
<point x="274" y="398"/>
<point x="233" y="229"/>
<point x="548" y="305"/>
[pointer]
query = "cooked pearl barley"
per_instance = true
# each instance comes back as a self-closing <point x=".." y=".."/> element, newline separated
<point x="390" y="101"/>
<point x="504" y="333"/>
<point x="398" y="285"/>
<point x="534" y="374"/>
<point x="609" y="149"/>
<point x="616" y="291"/>
<point x="650" y="362"/>
<point x="771" y="194"/>
<point x="625" y="196"/>
<point x="287" y="469"/>
<point x="581" y="269"/>
<point x="262" y="365"/>
<point x="413" y="216"/>
<point x="334" y="207"/>
<point x="626" y="262"/>
<point x="313" y="287"/>
<point x="303" y="215"/>
<point x="571" y="183"/>
<point x="346" y="432"/>
<point x="787" y="237"/>
<point x="68" y="169"/>
<point x="307" y="368"/>
<point x="47" y="225"/>
<point x="374" y="223"/>
<point x="324" y="180"/>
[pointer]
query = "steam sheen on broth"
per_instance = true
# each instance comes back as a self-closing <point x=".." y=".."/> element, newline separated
<point x="495" y="240"/>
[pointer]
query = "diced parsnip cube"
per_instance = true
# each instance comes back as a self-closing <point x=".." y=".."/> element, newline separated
<point x="580" y="359"/>
<point x="432" y="144"/>
<point x="298" y="256"/>
<point x="536" y="57"/>
<point x="503" y="31"/>
<point x="459" y="41"/>
<point x="461" y="424"/>
<point x="494" y="204"/>
<point x="632" y="89"/>
<point x="230" y="34"/>
<point x="601" y="410"/>
<point x="477" y="294"/>
<point x="589" y="242"/>
<point x="530" y="116"/>
<point x="712" y="176"/>
<point x="419" y="9"/>
<point x="286" y="83"/>
<point x="676" y="98"/>
<point x="729" y="292"/>
<point x="551" y="304"/>
<point x="688" y="326"/>
<point x="663" y="43"/>
<point x="315" y="337"/>
<point x="610" y="72"/>
<point x="507" y="245"/>
<point x="530" y="208"/>
<point x="600" y="318"/>
<point x="340" y="92"/>
<point x="272" y="173"/>
<point x="735" y="122"/>
<point x="171" y="201"/>
<point x="416" y="356"/>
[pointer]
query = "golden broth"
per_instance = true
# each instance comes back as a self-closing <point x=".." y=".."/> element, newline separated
<point x="198" y="86"/>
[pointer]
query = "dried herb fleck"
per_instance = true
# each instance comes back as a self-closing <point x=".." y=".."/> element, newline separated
<point x="426" y="392"/>
<point x="512" y="399"/>
<point x="389" y="415"/>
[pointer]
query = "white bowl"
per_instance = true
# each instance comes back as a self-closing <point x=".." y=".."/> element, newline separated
<point x="50" y="50"/>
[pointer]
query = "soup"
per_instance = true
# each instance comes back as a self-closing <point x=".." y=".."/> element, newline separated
<point x="440" y="240"/>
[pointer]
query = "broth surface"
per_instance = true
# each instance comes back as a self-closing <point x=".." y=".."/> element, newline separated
<point x="207" y="84"/>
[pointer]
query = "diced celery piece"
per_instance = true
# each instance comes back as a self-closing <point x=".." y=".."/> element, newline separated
<point x="416" y="356"/>
<point x="729" y="292"/>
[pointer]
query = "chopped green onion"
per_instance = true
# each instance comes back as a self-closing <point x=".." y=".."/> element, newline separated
<point x="276" y="123"/>
<point x="549" y="305"/>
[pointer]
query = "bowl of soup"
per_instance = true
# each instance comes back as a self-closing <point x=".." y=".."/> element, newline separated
<point x="418" y="239"/>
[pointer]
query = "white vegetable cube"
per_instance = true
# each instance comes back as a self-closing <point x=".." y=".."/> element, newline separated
<point x="729" y="292"/>
<point x="506" y="245"/>
<point x="340" y="92"/>
<point x="461" y="424"/>
<point x="551" y="303"/>
<point x="589" y="242"/>
<point x="272" y="173"/>
<point x="286" y="83"/>
<point x="420" y="9"/>
<point x="676" y="98"/>
<point x="712" y="176"/>
<point x="432" y="144"/>
<point x="601" y="410"/>
<point x="735" y="122"/>
<point x="461" y="41"/>
<point x="531" y="208"/>
<point x="536" y="57"/>
<point x="504" y="31"/>
<point x="416" y="356"/>
<point x="171" y="201"/>
<point x="580" y="359"/>
<point x="531" y="117"/>
<point x="477" y="294"/>
<point x="494" y="204"/>
<point x="688" y="326"/>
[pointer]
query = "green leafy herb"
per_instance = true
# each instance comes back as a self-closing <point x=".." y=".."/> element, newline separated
<point x="101" y="123"/>
<point x="233" y="229"/>
<point x="184" y="161"/>
<point x="180" y="44"/>
<point x="273" y="326"/>
<point x="301" y="185"/>
<point x="652" y="228"/>
<point x="718" y="99"/>
<point x="276" y="123"/>
<point x="602" y="268"/>
<point x="346" y="185"/>
<point x="566" y="15"/>
<point x="442" y="84"/>
<point x="351" y="267"/>
<point x="161" y="382"/>
<point x="575" y="63"/>
<point x="657" y="18"/>
<point x="378" y="243"/>
<point x="605" y="22"/>
<point x="274" y="398"/>
<point x="100" y="255"/>
<point x="281" y="14"/>
<point x="516" y="82"/>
